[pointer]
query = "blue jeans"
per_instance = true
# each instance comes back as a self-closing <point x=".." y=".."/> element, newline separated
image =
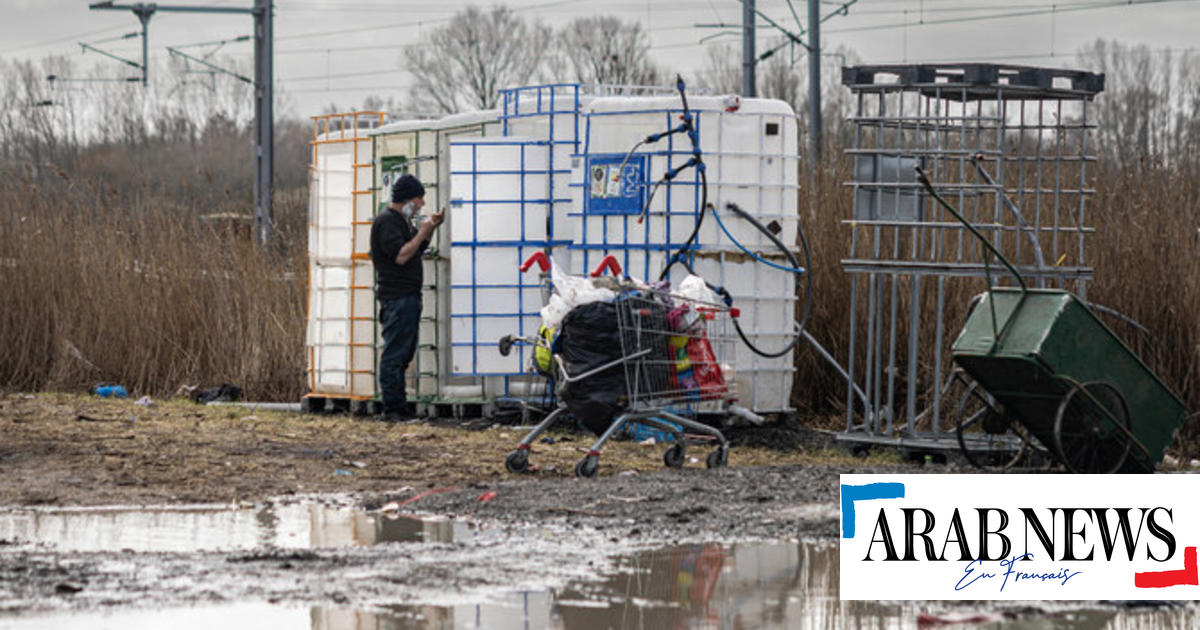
<point x="399" y="318"/>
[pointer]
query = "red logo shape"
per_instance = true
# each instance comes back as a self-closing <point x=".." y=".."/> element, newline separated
<point x="1187" y="576"/>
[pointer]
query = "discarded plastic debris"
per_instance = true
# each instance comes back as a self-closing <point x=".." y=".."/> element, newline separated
<point x="222" y="392"/>
<point x="639" y="432"/>
<point x="110" y="391"/>
<point x="342" y="472"/>
<point x="145" y="401"/>
<point x="486" y="496"/>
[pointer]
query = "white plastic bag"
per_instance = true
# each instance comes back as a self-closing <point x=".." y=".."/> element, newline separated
<point x="693" y="288"/>
<point x="554" y="311"/>
<point x="569" y="292"/>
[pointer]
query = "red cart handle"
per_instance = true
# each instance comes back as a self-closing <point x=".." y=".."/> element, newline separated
<point x="539" y="258"/>
<point x="610" y="263"/>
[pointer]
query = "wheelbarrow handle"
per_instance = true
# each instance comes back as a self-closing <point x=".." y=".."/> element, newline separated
<point x="609" y="262"/>
<point x="538" y="257"/>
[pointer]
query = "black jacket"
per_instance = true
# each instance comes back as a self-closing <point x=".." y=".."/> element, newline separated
<point x="389" y="232"/>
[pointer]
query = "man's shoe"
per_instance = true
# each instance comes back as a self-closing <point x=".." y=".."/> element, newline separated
<point x="394" y="417"/>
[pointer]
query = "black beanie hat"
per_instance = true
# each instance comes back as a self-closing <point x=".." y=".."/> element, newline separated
<point x="407" y="187"/>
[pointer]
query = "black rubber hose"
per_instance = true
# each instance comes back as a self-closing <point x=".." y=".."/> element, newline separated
<point x="678" y="256"/>
<point x="795" y="264"/>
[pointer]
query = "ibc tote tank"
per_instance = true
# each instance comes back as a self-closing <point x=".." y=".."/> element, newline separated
<point x="340" y="313"/>
<point x="751" y="157"/>
<point x="421" y="147"/>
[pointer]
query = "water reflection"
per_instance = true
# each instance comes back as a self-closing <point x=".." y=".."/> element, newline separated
<point x="743" y="586"/>
<point x="207" y="527"/>
<point x="750" y="586"/>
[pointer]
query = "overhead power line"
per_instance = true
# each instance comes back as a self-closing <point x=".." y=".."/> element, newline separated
<point x="346" y="75"/>
<point x="60" y="40"/>
<point x="407" y="23"/>
<point x="1012" y="14"/>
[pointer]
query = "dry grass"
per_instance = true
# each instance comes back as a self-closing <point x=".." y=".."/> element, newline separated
<point x="1146" y="253"/>
<point x="132" y="288"/>
<point x="144" y="294"/>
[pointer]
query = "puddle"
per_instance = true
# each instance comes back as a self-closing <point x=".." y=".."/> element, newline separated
<point x="746" y="586"/>
<point x="210" y="528"/>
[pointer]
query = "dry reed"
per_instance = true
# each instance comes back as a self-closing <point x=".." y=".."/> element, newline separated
<point x="135" y="289"/>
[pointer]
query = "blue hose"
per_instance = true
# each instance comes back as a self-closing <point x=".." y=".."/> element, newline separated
<point x="795" y="270"/>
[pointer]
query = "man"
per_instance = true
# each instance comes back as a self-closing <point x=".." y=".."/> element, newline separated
<point x="396" y="248"/>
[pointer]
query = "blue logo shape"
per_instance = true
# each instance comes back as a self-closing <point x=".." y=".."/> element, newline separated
<point x="850" y="494"/>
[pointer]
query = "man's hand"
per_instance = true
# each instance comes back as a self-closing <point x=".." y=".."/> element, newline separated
<point x="434" y="220"/>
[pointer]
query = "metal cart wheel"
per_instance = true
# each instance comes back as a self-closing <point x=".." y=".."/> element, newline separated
<point x="517" y="461"/>
<point x="988" y="437"/>
<point x="1088" y="430"/>
<point x="718" y="458"/>
<point x="587" y="467"/>
<point x="674" y="456"/>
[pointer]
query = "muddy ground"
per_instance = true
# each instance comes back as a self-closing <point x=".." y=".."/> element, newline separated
<point x="65" y="449"/>
<point x="530" y="533"/>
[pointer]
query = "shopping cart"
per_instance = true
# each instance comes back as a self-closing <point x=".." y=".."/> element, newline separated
<point x="664" y="370"/>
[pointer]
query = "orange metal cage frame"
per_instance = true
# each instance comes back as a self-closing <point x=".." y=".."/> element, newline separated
<point x="324" y="125"/>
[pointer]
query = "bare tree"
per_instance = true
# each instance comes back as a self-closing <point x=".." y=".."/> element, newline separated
<point x="778" y="78"/>
<point x="722" y="71"/>
<point x="464" y="64"/>
<point x="603" y="49"/>
<point x="1147" y="111"/>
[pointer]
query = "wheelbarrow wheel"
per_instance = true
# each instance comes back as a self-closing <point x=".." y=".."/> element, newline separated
<point x="1088" y="432"/>
<point x="988" y="438"/>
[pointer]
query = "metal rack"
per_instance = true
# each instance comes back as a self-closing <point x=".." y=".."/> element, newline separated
<point x="1008" y="146"/>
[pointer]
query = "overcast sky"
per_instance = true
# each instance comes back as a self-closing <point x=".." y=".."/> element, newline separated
<point x="339" y="51"/>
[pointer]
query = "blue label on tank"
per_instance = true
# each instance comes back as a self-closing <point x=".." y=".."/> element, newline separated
<point x="615" y="185"/>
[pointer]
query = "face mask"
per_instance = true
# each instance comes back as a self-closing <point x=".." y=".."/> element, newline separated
<point x="408" y="210"/>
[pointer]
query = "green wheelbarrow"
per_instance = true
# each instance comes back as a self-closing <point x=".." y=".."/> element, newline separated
<point x="1051" y="365"/>
<point x="1050" y="369"/>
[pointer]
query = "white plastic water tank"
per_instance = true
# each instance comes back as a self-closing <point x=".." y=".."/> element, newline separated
<point x="752" y="161"/>
<point x="499" y="217"/>
<point x="341" y="310"/>
<point x="421" y="147"/>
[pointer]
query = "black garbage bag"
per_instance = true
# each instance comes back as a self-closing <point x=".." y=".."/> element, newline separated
<point x="589" y="339"/>
<point x="221" y="393"/>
